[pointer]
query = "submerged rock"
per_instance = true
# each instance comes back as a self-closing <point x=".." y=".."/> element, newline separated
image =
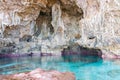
<point x="40" y="74"/>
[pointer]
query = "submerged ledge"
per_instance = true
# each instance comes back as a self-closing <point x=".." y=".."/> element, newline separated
<point x="39" y="74"/>
<point x="26" y="54"/>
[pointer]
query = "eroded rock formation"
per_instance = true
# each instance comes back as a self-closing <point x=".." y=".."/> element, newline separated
<point x="55" y="24"/>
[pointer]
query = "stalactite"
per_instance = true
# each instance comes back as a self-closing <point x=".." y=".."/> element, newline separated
<point x="32" y="26"/>
<point x="2" y="30"/>
<point x="13" y="18"/>
<point x="45" y="27"/>
<point x="57" y="23"/>
<point x="48" y="31"/>
<point x="17" y="19"/>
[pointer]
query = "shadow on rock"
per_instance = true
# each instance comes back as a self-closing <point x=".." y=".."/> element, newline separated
<point x="76" y="52"/>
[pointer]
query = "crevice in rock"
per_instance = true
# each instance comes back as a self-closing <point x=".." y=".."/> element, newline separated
<point x="26" y="38"/>
<point x="91" y="37"/>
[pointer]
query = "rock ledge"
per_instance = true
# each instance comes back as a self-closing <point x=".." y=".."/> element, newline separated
<point x="39" y="74"/>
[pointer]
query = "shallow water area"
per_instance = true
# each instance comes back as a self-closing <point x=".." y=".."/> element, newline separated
<point x="84" y="68"/>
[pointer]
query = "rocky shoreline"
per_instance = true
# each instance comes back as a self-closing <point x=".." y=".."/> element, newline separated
<point x="102" y="56"/>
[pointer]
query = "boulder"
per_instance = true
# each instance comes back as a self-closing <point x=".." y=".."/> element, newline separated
<point x="39" y="74"/>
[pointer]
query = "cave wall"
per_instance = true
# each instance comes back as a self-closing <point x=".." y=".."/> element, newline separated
<point x="48" y="26"/>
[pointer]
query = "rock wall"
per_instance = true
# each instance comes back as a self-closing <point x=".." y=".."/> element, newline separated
<point x="49" y="26"/>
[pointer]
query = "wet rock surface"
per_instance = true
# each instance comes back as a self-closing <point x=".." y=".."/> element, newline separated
<point x="40" y="74"/>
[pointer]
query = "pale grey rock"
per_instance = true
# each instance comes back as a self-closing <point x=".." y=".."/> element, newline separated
<point x="56" y="24"/>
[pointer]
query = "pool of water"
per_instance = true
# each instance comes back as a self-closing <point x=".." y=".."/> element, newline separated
<point x="84" y="68"/>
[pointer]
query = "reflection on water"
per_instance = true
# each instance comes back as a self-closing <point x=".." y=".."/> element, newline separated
<point x="85" y="68"/>
<point x="77" y="58"/>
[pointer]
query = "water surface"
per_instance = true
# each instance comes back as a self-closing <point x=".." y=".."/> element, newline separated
<point x="84" y="68"/>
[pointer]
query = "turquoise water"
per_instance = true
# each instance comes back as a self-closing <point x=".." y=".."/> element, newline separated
<point x="84" y="68"/>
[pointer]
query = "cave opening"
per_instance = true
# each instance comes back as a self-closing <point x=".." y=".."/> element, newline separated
<point x="81" y="52"/>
